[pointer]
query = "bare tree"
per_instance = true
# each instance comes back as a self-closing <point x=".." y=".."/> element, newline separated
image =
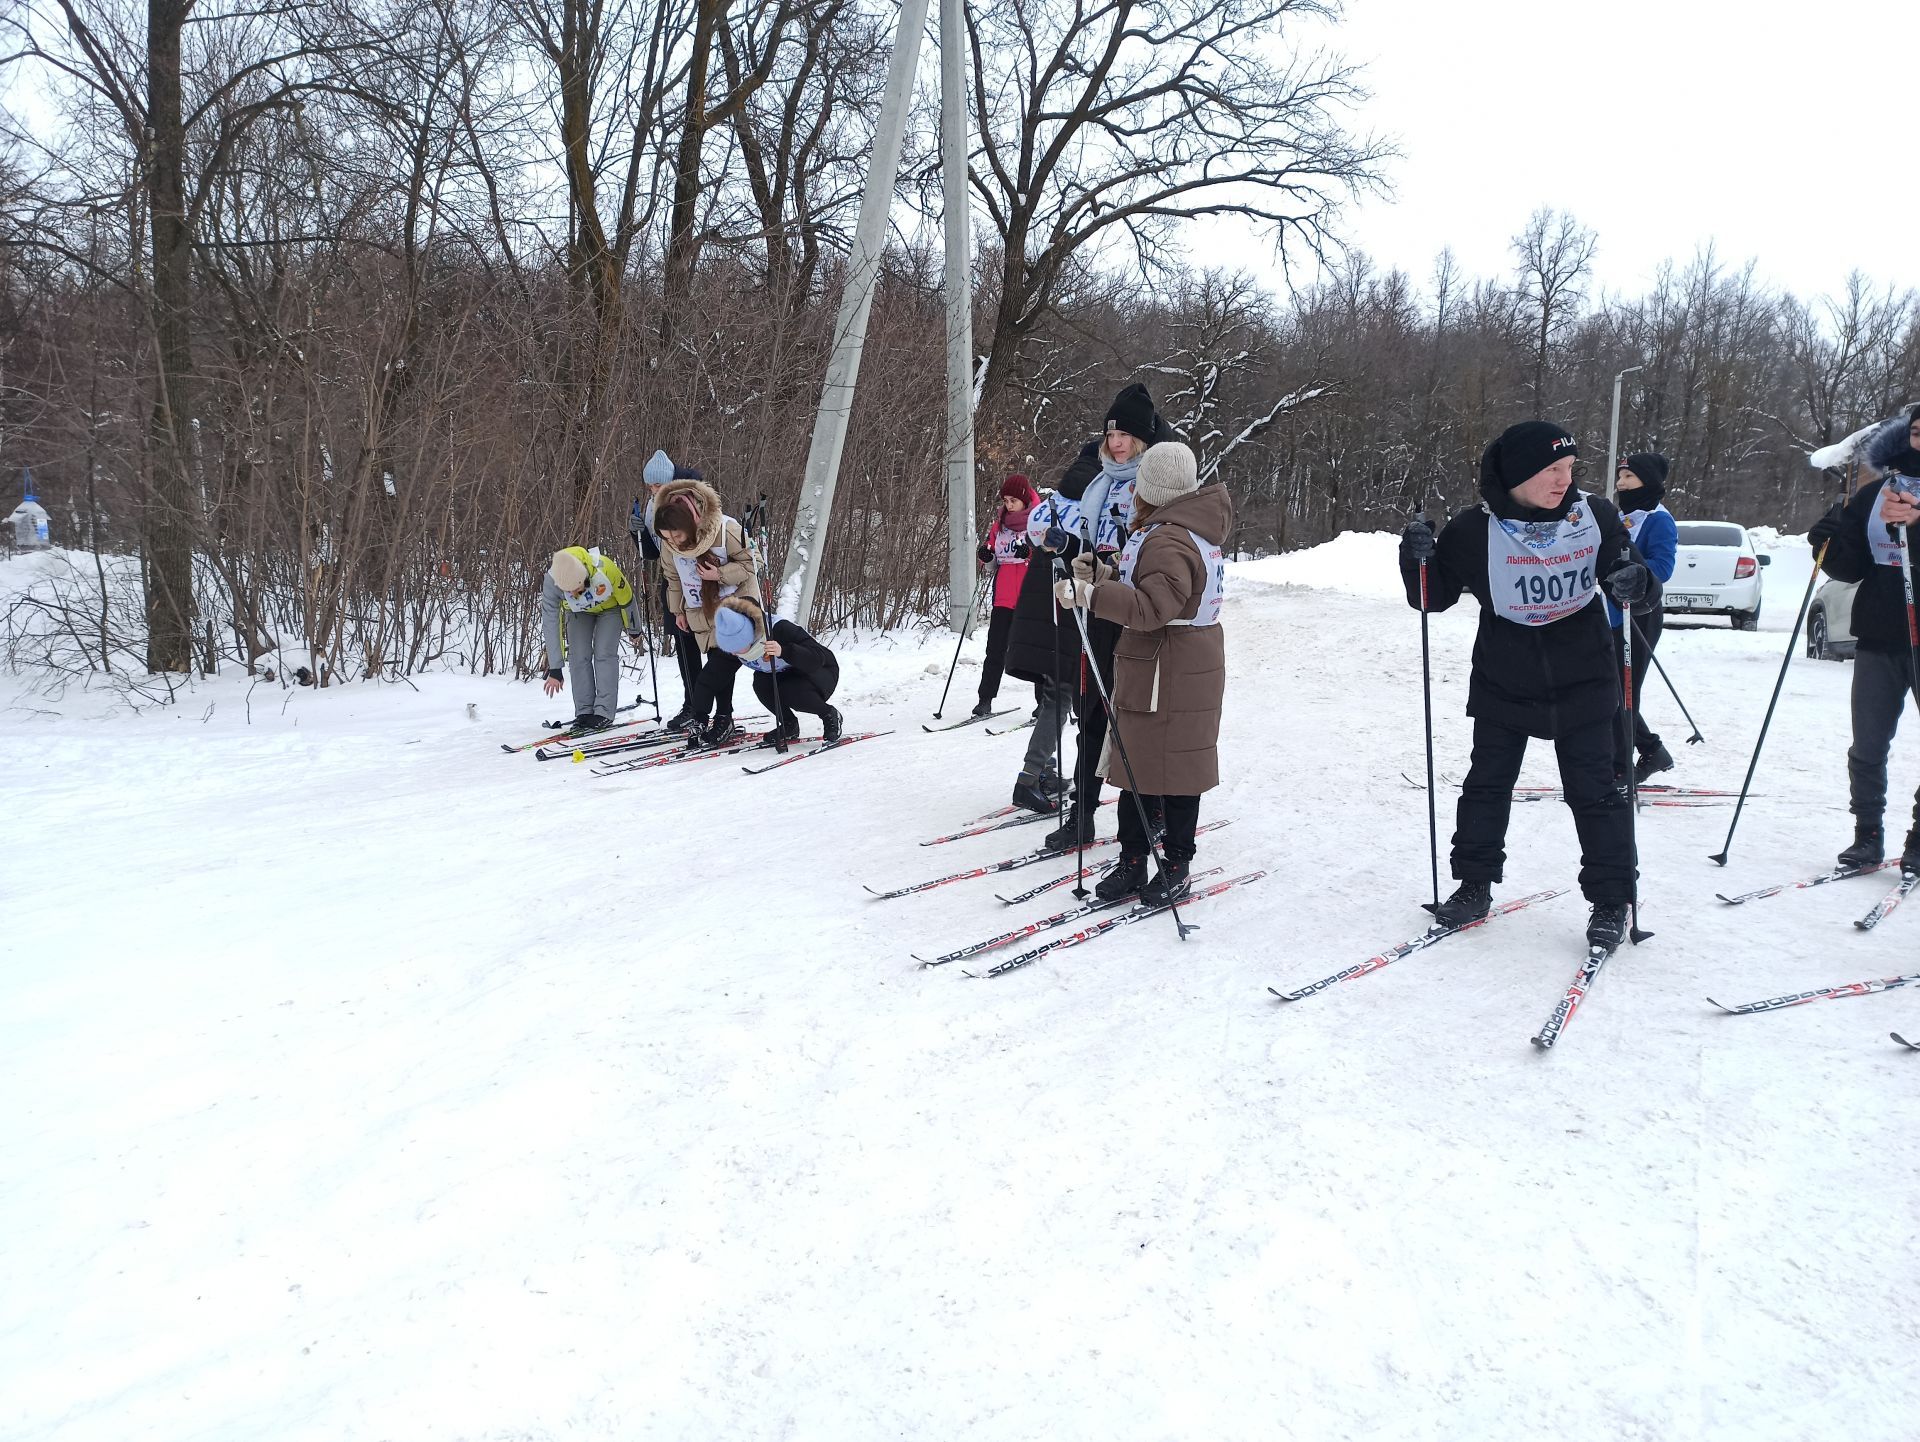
<point x="1555" y="255"/>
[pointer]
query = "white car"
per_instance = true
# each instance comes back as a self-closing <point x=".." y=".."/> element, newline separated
<point x="1830" y="622"/>
<point x="1716" y="572"/>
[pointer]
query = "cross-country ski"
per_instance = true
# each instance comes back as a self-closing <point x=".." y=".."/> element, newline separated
<point x="1838" y="873"/>
<point x="1408" y="948"/>
<point x="1883" y="908"/>
<point x="1823" y="993"/>
<point x="1138" y="913"/>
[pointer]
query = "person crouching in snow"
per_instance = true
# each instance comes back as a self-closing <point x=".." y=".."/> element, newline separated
<point x="1535" y="554"/>
<point x="791" y="671"/>
<point x="586" y="603"/>
<point x="1170" y="663"/>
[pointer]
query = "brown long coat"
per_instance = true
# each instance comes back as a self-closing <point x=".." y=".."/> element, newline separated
<point x="1169" y="681"/>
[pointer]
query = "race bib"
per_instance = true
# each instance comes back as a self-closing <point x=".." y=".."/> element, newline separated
<point x="1215" y="559"/>
<point x="1539" y="572"/>
<point x="688" y="568"/>
<point x="599" y="590"/>
<point x="1886" y="550"/>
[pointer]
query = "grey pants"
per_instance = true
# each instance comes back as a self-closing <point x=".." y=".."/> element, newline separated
<point x="1882" y="683"/>
<point x="593" y="659"/>
<point x="1046" y="739"/>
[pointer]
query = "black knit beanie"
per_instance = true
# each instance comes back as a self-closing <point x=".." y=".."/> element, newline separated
<point x="1132" y="411"/>
<point x="1523" y="451"/>
<point x="1651" y="468"/>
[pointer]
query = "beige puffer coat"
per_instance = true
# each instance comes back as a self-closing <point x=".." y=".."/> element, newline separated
<point x="718" y="532"/>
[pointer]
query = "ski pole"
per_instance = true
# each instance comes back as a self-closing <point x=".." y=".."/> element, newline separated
<point x="966" y="626"/>
<point x="1633" y="783"/>
<point x="1719" y="858"/>
<point x="1654" y="657"/>
<point x="1426" y="694"/>
<point x="646" y="605"/>
<point x="1120" y="745"/>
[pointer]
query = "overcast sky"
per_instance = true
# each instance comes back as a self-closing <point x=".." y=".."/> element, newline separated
<point x="1778" y="133"/>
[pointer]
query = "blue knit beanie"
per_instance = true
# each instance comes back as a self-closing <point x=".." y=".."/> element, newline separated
<point x="658" y="469"/>
<point x="732" y="630"/>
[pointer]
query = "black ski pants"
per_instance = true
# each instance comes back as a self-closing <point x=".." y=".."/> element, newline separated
<point x="686" y="650"/>
<point x="795" y="692"/>
<point x="999" y="630"/>
<point x="1105" y="636"/>
<point x="1180" y="815"/>
<point x="1882" y="683"/>
<point x="1646" y="636"/>
<point x="712" y="689"/>
<point x="1600" y="812"/>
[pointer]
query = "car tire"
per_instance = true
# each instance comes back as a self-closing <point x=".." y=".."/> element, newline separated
<point x="1747" y="620"/>
<point x="1817" y="635"/>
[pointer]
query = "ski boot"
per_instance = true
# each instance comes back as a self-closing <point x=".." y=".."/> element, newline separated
<point x="1473" y="900"/>
<point x="785" y="733"/>
<point x="1031" y="793"/>
<point x="588" y="722"/>
<point x="683" y="723"/>
<point x="1169" y="885"/>
<point x="1652" y="763"/>
<point x="1869" y="845"/>
<point x="1076" y="830"/>
<point x="720" y="731"/>
<point x="985" y="708"/>
<point x="830" y="723"/>
<point x="1607" y="924"/>
<point x="1129" y="874"/>
<point x="1910" y="854"/>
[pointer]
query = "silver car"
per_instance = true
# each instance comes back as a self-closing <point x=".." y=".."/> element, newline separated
<point x="1716" y="572"/>
<point x="1830" y="621"/>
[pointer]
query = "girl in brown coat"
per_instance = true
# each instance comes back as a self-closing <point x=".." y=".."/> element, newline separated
<point x="707" y="559"/>
<point x="1170" y="668"/>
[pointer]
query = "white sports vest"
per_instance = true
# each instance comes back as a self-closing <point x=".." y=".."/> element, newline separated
<point x="598" y="590"/>
<point x="1216" y="564"/>
<point x="688" y="566"/>
<point x="1880" y="539"/>
<point x="1539" y="572"/>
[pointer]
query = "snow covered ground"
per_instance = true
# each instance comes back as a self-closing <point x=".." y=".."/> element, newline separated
<point x="363" y="1082"/>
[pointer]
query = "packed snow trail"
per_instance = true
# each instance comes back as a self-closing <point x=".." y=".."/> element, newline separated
<point x="363" y="1082"/>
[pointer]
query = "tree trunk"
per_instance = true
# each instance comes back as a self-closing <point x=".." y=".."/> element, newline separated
<point x="171" y="504"/>
<point x="683" y="245"/>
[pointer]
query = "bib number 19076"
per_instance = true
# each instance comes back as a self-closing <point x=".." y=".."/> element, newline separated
<point x="1539" y="589"/>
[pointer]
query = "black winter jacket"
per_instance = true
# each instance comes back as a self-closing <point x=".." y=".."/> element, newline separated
<point x="1880" y="605"/>
<point x="808" y="657"/>
<point x="1044" y="644"/>
<point x="1544" y="680"/>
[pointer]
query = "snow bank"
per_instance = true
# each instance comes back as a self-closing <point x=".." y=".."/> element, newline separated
<point x="1358" y="563"/>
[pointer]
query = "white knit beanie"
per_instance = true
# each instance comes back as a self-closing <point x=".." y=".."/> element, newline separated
<point x="1167" y="471"/>
<point x="569" y="572"/>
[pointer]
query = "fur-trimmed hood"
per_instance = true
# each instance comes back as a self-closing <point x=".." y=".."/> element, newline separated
<point x="749" y="608"/>
<point x="706" y="506"/>
<point x="1889" y="449"/>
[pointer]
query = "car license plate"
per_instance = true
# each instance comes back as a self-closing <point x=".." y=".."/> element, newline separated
<point x="1685" y="598"/>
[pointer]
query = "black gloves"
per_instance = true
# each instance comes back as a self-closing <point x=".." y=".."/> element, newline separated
<point x="1021" y="550"/>
<point x="556" y="675"/>
<point x="985" y="553"/>
<point x="1628" y="585"/>
<point x="1416" y="542"/>
<point x="1827" y="527"/>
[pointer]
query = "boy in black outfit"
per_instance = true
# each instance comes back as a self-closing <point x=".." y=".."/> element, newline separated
<point x="1868" y="540"/>
<point x="1535" y="554"/>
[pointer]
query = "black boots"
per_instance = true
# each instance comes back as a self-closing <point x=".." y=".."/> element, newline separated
<point x="1129" y="874"/>
<point x="1607" y="924"/>
<point x="588" y="722"/>
<point x="720" y="731"/>
<point x="1652" y="763"/>
<point x="1169" y="885"/>
<point x="1076" y="830"/>
<point x="684" y="721"/>
<point x="985" y="708"/>
<point x="1910" y="855"/>
<point x="1032" y="793"/>
<point x="1471" y="902"/>
<point x="1869" y="845"/>
<point x="830" y="724"/>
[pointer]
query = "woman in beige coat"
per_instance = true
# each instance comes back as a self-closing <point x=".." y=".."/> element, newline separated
<point x="1170" y="668"/>
<point x="707" y="560"/>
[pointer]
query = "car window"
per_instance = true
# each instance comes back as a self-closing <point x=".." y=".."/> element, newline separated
<point x="1710" y="533"/>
